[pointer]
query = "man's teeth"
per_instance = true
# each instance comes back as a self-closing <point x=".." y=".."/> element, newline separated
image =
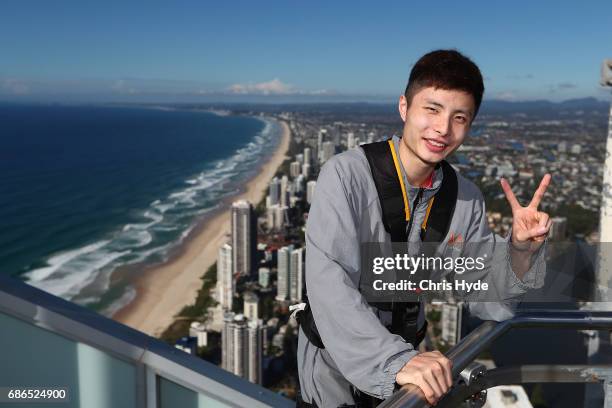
<point x="436" y="143"/>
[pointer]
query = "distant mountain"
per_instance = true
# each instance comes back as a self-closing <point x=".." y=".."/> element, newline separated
<point x="539" y="107"/>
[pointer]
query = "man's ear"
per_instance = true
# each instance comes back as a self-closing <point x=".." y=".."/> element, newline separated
<point x="402" y="106"/>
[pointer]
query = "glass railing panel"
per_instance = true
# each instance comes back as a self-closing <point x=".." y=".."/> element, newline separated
<point x="172" y="395"/>
<point x="33" y="358"/>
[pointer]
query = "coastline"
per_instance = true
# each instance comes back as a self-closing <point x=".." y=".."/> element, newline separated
<point x="163" y="290"/>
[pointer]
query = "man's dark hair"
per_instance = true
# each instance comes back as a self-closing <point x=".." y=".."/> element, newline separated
<point x="446" y="69"/>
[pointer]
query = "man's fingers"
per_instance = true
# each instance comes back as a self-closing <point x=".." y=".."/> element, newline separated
<point x="431" y="372"/>
<point x="417" y="378"/>
<point x="428" y="390"/>
<point x="534" y="232"/>
<point x="541" y="238"/>
<point x="543" y="219"/>
<point x="434" y="382"/>
<point x="514" y="204"/>
<point x="539" y="194"/>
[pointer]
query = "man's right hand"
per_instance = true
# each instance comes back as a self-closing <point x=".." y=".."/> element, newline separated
<point x="430" y="371"/>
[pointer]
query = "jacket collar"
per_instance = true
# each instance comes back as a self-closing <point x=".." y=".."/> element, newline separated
<point x="413" y="190"/>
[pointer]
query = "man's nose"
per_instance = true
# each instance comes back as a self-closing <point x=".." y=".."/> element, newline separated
<point x="442" y="125"/>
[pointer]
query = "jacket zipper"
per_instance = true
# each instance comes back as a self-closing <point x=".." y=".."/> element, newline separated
<point x="412" y="213"/>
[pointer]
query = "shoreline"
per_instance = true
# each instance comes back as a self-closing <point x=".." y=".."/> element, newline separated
<point x="163" y="290"/>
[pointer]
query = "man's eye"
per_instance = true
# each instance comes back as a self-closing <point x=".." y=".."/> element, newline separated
<point x="460" y="119"/>
<point x="430" y="109"/>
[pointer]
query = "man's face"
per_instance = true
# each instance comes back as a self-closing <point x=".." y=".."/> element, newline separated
<point x="436" y="123"/>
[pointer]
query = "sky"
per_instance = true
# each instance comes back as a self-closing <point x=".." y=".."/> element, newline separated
<point x="293" y="51"/>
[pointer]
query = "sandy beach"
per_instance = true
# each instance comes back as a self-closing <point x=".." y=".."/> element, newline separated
<point x="163" y="291"/>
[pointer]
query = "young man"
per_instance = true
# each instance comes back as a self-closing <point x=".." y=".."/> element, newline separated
<point x="358" y="353"/>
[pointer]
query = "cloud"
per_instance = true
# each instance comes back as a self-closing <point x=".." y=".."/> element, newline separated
<point x="122" y="86"/>
<point x="273" y="87"/>
<point x="14" y="87"/>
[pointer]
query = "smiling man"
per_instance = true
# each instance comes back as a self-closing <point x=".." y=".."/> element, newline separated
<point x="353" y="351"/>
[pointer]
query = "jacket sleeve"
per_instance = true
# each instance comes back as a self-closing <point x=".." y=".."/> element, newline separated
<point x="365" y="352"/>
<point x="505" y="288"/>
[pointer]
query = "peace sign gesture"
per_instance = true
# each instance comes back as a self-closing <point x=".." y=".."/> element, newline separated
<point x="529" y="226"/>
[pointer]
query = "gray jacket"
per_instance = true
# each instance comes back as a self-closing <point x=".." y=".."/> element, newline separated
<point x="359" y="350"/>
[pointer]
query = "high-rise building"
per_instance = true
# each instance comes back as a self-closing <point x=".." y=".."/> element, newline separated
<point x="255" y="351"/>
<point x="295" y="169"/>
<point x="284" y="189"/>
<point x="283" y="269"/>
<point x="244" y="237"/>
<point x="234" y="353"/>
<point x="242" y="347"/>
<point x="307" y="155"/>
<point x="281" y="217"/>
<point x="274" y="192"/>
<point x="350" y="140"/>
<point x="600" y="343"/>
<point x="296" y="275"/>
<point x="251" y="306"/>
<point x="271" y="217"/>
<point x="264" y="277"/>
<point x="370" y="137"/>
<point x="451" y="322"/>
<point x="225" y="278"/>
<point x="310" y="189"/>
<point x="306" y="170"/>
<point x="226" y="355"/>
<point x="604" y="261"/>
<point x="562" y="147"/>
<point x="320" y="139"/>
<point x="329" y="149"/>
<point x="298" y="184"/>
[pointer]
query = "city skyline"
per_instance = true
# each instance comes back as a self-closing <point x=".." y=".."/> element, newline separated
<point x="290" y="53"/>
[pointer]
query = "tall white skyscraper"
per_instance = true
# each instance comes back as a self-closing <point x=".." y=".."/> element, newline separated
<point x="296" y="275"/>
<point x="306" y="170"/>
<point x="271" y="217"/>
<point x="264" y="277"/>
<point x="350" y="140"/>
<point x="299" y="183"/>
<point x="284" y="189"/>
<point x="234" y="353"/>
<point x="242" y="347"/>
<point x="283" y="268"/>
<point x="274" y="193"/>
<point x="328" y="151"/>
<point x="251" y="306"/>
<point x="255" y="351"/>
<point x="600" y="342"/>
<point x="225" y="278"/>
<point x="604" y="272"/>
<point x="451" y="322"/>
<point x="310" y="189"/>
<point x="295" y="168"/>
<point x="307" y="155"/>
<point x="244" y="237"/>
<point x="320" y="139"/>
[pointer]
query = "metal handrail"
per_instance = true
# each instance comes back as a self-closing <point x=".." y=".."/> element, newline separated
<point x="411" y="396"/>
<point x="527" y="374"/>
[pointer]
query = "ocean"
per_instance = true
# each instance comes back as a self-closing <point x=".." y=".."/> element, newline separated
<point x="87" y="189"/>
